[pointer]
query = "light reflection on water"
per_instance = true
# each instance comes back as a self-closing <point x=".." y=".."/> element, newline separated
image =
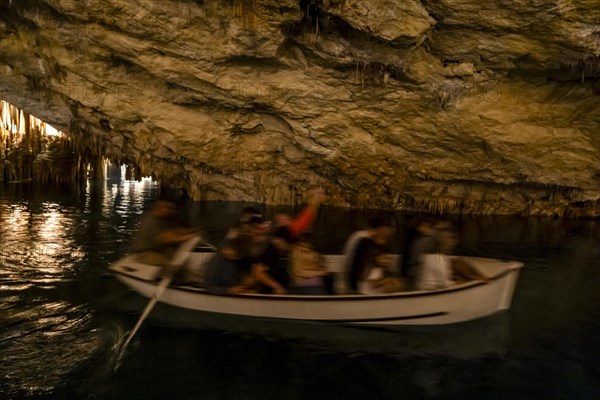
<point x="61" y="314"/>
<point x="36" y="243"/>
<point x="55" y="245"/>
<point x="42" y="345"/>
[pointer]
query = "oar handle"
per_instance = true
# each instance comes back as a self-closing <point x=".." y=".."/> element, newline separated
<point x="181" y="256"/>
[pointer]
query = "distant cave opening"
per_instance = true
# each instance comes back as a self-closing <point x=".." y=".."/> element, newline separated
<point x="34" y="151"/>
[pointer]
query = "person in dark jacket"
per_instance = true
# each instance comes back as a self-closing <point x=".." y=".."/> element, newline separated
<point x="160" y="235"/>
<point x="420" y="239"/>
<point x="228" y="270"/>
<point x="367" y="250"/>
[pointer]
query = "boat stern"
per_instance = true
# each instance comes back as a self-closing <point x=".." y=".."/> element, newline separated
<point x="129" y="266"/>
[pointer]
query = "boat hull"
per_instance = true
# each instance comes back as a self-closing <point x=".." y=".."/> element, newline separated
<point x="459" y="303"/>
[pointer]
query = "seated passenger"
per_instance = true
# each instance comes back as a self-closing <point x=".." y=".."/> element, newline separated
<point x="309" y="276"/>
<point x="435" y="271"/>
<point x="242" y="227"/>
<point x="225" y="272"/>
<point x="420" y="239"/>
<point x="287" y="228"/>
<point x="368" y="267"/>
<point x="381" y="279"/>
<point x="160" y="234"/>
<point x="268" y="274"/>
<point x="350" y="248"/>
<point x="463" y="271"/>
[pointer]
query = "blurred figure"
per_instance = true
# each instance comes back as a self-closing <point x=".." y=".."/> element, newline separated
<point x="267" y="273"/>
<point x="250" y="260"/>
<point x="463" y="271"/>
<point x="228" y="271"/>
<point x="309" y="275"/>
<point x="242" y="227"/>
<point x="160" y="234"/>
<point x="435" y="271"/>
<point x="410" y="234"/>
<point x="287" y="228"/>
<point x="420" y="239"/>
<point x="367" y="254"/>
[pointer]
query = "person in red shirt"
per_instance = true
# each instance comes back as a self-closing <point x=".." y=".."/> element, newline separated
<point x="288" y="228"/>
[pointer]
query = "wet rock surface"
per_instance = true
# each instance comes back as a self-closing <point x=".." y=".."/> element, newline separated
<point x="446" y="105"/>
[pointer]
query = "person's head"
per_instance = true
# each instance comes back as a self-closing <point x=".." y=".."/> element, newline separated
<point x="282" y="220"/>
<point x="164" y="208"/>
<point x="447" y="240"/>
<point x="442" y="223"/>
<point x="380" y="230"/>
<point x="259" y="228"/>
<point x="425" y="226"/>
<point x="234" y="248"/>
<point x="282" y="238"/>
<point x="247" y="213"/>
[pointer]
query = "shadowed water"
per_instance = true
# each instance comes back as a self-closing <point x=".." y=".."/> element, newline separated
<point x="62" y="316"/>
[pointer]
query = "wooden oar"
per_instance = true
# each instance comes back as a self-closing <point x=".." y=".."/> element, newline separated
<point x="182" y="255"/>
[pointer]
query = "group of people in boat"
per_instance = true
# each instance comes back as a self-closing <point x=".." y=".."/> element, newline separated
<point x="279" y="257"/>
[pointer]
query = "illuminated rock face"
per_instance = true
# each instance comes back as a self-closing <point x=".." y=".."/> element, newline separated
<point x="439" y="105"/>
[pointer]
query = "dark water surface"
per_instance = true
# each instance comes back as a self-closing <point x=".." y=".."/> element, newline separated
<point x="62" y="314"/>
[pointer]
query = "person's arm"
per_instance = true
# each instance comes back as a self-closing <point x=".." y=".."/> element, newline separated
<point x="306" y="217"/>
<point x="382" y="259"/>
<point x="280" y="244"/>
<point x="261" y="273"/>
<point x="302" y="221"/>
<point x="176" y="235"/>
<point x="462" y="268"/>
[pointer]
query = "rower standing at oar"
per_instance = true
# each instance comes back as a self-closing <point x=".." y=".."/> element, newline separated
<point x="162" y="240"/>
<point x="160" y="234"/>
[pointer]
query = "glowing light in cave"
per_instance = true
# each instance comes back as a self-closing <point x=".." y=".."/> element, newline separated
<point x="12" y="120"/>
<point x="51" y="131"/>
<point x="31" y="149"/>
<point x="52" y="155"/>
<point x="146" y="180"/>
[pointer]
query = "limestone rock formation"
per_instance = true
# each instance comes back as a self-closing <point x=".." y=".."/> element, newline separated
<point x="432" y="105"/>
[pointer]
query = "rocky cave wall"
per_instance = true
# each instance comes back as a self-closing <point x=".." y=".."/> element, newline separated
<point x="472" y="106"/>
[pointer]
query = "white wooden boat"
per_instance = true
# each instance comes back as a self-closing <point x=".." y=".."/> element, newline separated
<point x="463" y="302"/>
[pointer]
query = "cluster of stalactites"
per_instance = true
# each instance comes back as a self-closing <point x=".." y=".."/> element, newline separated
<point x="31" y="150"/>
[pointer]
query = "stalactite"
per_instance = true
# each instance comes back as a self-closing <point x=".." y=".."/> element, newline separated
<point x="32" y="150"/>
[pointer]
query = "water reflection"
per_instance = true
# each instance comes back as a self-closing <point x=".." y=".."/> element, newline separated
<point x="62" y="313"/>
<point x="56" y="242"/>
<point x="122" y="196"/>
<point x="42" y="344"/>
<point x="36" y="242"/>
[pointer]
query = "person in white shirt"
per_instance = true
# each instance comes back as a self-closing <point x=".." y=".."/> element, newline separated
<point x="359" y="250"/>
<point x="435" y="270"/>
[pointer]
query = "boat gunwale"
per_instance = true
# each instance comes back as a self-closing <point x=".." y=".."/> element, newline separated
<point x="341" y="297"/>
